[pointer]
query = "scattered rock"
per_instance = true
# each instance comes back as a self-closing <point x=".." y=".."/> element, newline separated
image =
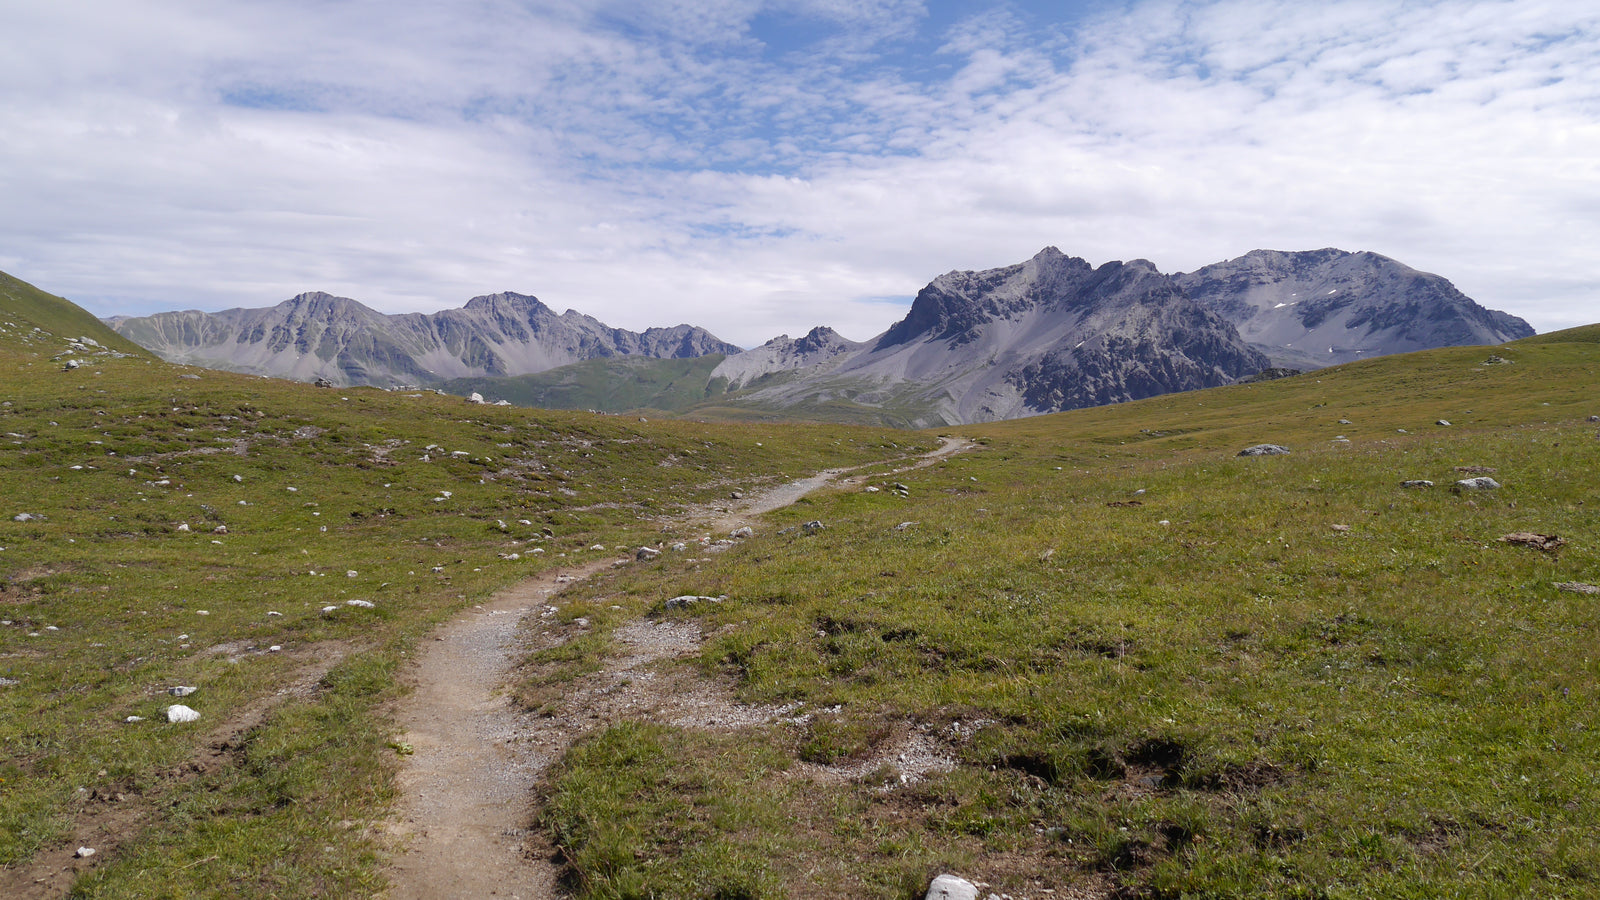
<point x="1547" y="542"/>
<point x="1340" y="527"/>
<point x="904" y="525"/>
<point x="813" y="527"/>
<point x="1497" y="361"/>
<point x="1475" y="470"/>
<point x="688" y="600"/>
<point x="84" y="852"/>
<point x="1594" y="418"/>
<point x="474" y="397"/>
<point x="951" y="887"/>
<point x="1264" y="450"/>
<point x="220" y="529"/>
<point x="177" y="712"/>
<point x="871" y="490"/>
<point x="1119" y="504"/>
<point x="131" y="720"/>
<point x="183" y="526"/>
<point x="1577" y="587"/>
<point x="9" y="682"/>
<point x="182" y="690"/>
<point x="1481" y="483"/>
<point x="70" y="365"/>
<point x="679" y="547"/>
<point x="1417" y="483"/>
<point x="1346" y="422"/>
<point x="1445" y="422"/>
<point x="323" y="383"/>
<point x="26" y="517"/>
<point x="644" y="554"/>
<point x="735" y="495"/>
<point x="742" y="533"/>
<point x="363" y="604"/>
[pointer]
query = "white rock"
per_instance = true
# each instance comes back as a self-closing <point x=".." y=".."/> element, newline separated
<point x="84" y="852"/>
<point x="274" y="648"/>
<point x="350" y="573"/>
<point x="745" y="532"/>
<point x="329" y="609"/>
<point x="364" y="604"/>
<point x="182" y="690"/>
<point x="475" y="397"/>
<point x="951" y="887"/>
<point x="177" y="712"/>
<point x="184" y="527"/>
<point x="132" y="719"/>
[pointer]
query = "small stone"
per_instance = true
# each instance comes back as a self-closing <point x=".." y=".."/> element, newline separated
<point x="329" y="609"/>
<point x="1340" y="527"/>
<point x="904" y="525"/>
<point x="646" y="553"/>
<point x="1594" y="418"/>
<point x="177" y="712"/>
<point x="350" y="573"/>
<point x="133" y="719"/>
<point x="362" y="604"/>
<point x="1546" y="542"/>
<point x="1417" y="483"/>
<point x="1445" y="422"/>
<point x="745" y="532"/>
<point x="275" y="648"/>
<point x="474" y="397"/>
<point x="951" y="887"/>
<point x="679" y="547"/>
<point x="84" y="852"/>
<point x="182" y="690"/>
<point x="871" y="489"/>
<point x="813" y="527"/>
<point x="735" y="495"/>
<point x="1264" y="450"/>
<point x="1577" y="587"/>
<point x="184" y="526"/>
<point x="25" y="517"/>
<point x="1481" y="483"/>
<point x="1346" y="422"/>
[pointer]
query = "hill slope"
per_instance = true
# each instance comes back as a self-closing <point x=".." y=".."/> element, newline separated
<point x="32" y="315"/>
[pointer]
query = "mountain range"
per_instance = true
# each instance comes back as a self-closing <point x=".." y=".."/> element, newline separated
<point x="1047" y="334"/>
<point x="319" y="336"/>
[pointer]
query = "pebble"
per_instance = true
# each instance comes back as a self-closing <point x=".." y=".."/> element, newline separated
<point x="84" y="852"/>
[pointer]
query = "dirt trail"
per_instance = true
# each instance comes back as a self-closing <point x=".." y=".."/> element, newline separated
<point x="467" y="787"/>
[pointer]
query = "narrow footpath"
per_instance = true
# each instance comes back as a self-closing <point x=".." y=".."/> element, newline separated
<point x="467" y="787"/>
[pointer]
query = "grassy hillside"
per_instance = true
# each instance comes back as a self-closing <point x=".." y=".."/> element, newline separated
<point x="1154" y="668"/>
<point x="611" y="384"/>
<point x="31" y="317"/>
<point x="181" y="527"/>
<point x="1160" y="669"/>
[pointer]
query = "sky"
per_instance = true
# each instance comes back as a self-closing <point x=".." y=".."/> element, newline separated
<point x="760" y="167"/>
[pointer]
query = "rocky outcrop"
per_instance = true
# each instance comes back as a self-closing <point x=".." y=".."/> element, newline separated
<point x="317" y="335"/>
<point x="1324" y="307"/>
<point x="1040" y="336"/>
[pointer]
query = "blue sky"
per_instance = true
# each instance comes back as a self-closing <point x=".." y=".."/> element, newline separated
<point x="762" y="167"/>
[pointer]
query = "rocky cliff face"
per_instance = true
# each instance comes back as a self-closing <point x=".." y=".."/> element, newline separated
<point x="1323" y="307"/>
<point x="317" y="335"/>
<point x="1044" y="335"/>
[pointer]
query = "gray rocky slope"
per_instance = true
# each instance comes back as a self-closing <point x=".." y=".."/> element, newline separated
<point x="1055" y="333"/>
<point x="1048" y="334"/>
<point x="317" y="335"/>
<point x="1324" y="307"/>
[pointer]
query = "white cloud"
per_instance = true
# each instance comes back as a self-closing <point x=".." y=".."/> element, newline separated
<point x="652" y="163"/>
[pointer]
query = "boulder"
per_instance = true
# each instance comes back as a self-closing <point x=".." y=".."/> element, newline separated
<point x="951" y="887"/>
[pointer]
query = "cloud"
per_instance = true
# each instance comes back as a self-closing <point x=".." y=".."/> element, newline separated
<point x="765" y="167"/>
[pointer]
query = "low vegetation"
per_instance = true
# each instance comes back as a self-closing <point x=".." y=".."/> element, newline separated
<point x="1160" y="669"/>
<point x="1099" y="654"/>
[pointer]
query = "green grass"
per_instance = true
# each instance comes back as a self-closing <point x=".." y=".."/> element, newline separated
<point x="1211" y="693"/>
<point x="186" y="521"/>
<point x="611" y="384"/>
